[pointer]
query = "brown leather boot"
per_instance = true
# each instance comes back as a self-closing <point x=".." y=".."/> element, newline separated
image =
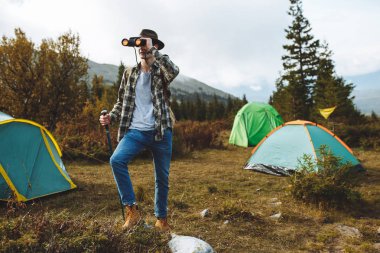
<point x="133" y="217"/>
<point x="162" y="225"/>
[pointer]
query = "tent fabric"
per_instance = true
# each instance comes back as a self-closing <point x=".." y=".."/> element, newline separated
<point x="252" y="123"/>
<point x="279" y="152"/>
<point x="30" y="161"/>
<point x="4" y="116"/>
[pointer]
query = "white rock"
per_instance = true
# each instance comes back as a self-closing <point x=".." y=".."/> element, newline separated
<point x="148" y="226"/>
<point x="258" y="189"/>
<point x="349" y="231"/>
<point x="279" y="203"/>
<point x="276" y="216"/>
<point x="205" y="213"/>
<point x="378" y="231"/>
<point x="188" y="244"/>
<point x="226" y="222"/>
<point x="272" y="200"/>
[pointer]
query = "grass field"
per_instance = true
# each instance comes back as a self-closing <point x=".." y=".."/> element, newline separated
<point x="88" y="219"/>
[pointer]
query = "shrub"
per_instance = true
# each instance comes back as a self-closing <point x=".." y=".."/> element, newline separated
<point x="327" y="183"/>
<point x="194" y="135"/>
<point x="80" y="140"/>
<point x="366" y="136"/>
<point x="61" y="232"/>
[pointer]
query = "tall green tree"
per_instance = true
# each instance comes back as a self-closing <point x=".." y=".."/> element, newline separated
<point x="282" y="101"/>
<point x="331" y="90"/>
<point x="97" y="88"/>
<point x="200" y="108"/>
<point x="120" y="73"/>
<point x="299" y="65"/>
<point x="175" y="108"/>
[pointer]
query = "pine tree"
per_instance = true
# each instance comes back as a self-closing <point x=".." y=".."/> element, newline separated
<point x="200" y="108"/>
<point x="299" y="63"/>
<point x="120" y="74"/>
<point x="282" y="101"/>
<point x="331" y="90"/>
<point x="97" y="88"/>
<point x="115" y="87"/>
<point x="175" y="108"/>
<point x="244" y="100"/>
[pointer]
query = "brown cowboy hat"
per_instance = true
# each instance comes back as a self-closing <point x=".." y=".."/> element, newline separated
<point x="153" y="35"/>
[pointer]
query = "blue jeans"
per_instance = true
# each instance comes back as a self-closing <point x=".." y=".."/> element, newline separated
<point x="133" y="142"/>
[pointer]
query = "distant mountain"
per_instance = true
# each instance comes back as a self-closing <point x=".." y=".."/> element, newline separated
<point x="367" y="81"/>
<point x="108" y="71"/>
<point x="367" y="100"/>
<point x="367" y="91"/>
<point x="182" y="87"/>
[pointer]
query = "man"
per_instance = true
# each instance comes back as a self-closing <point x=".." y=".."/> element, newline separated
<point x="145" y="122"/>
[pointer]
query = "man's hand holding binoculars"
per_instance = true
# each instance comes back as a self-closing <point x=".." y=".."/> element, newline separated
<point x="146" y="51"/>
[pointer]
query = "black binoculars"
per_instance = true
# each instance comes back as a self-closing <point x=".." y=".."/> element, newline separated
<point x="133" y="42"/>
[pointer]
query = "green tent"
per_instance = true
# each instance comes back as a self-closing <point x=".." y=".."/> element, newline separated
<point x="30" y="161"/>
<point x="280" y="151"/>
<point x="252" y="123"/>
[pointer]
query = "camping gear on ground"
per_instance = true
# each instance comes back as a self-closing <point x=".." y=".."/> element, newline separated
<point x="104" y="112"/>
<point x="30" y="161"/>
<point x="278" y="153"/>
<point x="188" y="244"/>
<point x="252" y="123"/>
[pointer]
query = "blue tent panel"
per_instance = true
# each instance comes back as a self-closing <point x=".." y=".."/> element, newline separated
<point x="30" y="164"/>
<point x="321" y="137"/>
<point x="284" y="147"/>
<point x="281" y="151"/>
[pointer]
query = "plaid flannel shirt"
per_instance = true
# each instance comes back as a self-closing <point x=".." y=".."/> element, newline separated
<point x="162" y="70"/>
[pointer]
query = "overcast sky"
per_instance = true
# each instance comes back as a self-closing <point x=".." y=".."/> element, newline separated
<point x="235" y="46"/>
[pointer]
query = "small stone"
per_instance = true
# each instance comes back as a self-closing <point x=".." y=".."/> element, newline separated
<point x="272" y="200"/>
<point x="276" y="203"/>
<point x="349" y="231"/>
<point x="205" y="213"/>
<point x="377" y="246"/>
<point x="148" y="226"/>
<point x="258" y="189"/>
<point x="378" y="231"/>
<point x="226" y="222"/>
<point x="276" y="216"/>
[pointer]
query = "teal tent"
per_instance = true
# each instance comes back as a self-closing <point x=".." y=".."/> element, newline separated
<point x="280" y="151"/>
<point x="252" y="123"/>
<point x="30" y="161"/>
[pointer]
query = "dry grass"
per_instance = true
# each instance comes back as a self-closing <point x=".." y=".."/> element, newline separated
<point x="212" y="179"/>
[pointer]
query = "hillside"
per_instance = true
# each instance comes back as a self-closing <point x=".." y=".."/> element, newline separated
<point x="368" y="100"/>
<point x="108" y="71"/>
<point x="366" y="92"/>
<point x="182" y="87"/>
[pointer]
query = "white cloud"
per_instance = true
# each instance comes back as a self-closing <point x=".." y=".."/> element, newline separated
<point x="225" y="44"/>
<point x="256" y="87"/>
